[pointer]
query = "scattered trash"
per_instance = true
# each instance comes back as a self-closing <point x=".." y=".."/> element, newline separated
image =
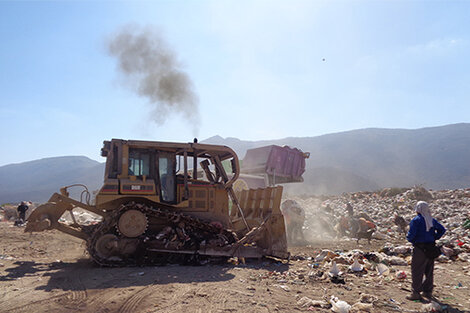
<point x="433" y="306"/>
<point x="367" y="298"/>
<point x="284" y="287"/>
<point x="334" y="270"/>
<point x="401" y="275"/>
<point x="339" y="306"/>
<point x="307" y="302"/>
<point x="356" y="267"/>
<point x="362" y="307"/>
<point x="325" y="255"/>
<point x="459" y="285"/>
<point x="466" y="224"/>
<point x="6" y="257"/>
<point x="383" y="269"/>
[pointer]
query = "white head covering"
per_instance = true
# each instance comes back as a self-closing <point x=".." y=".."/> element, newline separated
<point x="423" y="208"/>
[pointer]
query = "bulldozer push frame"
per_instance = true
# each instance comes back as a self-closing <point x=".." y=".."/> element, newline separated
<point x="154" y="209"/>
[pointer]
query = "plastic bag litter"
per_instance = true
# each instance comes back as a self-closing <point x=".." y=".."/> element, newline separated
<point x="334" y="270"/>
<point x="379" y="236"/>
<point x="394" y="260"/>
<point x="402" y="250"/>
<point x="356" y="267"/>
<point x="383" y="269"/>
<point x="465" y="257"/>
<point x="325" y="255"/>
<point x="307" y="302"/>
<point x="339" y="306"/>
<point x="433" y="306"/>
<point x="284" y="287"/>
<point x="361" y="307"/>
<point x="448" y="252"/>
<point x="367" y="298"/>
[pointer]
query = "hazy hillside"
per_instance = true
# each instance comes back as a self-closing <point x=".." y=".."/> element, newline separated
<point x="38" y="180"/>
<point x="366" y="159"/>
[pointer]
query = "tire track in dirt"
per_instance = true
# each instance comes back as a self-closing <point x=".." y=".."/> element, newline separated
<point x="32" y="306"/>
<point x="131" y="303"/>
<point x="77" y="295"/>
<point x="184" y="297"/>
<point x="72" y="293"/>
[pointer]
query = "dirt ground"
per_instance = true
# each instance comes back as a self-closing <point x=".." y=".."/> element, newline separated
<point x="50" y="272"/>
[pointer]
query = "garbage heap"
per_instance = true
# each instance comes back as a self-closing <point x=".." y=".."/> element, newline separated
<point x="450" y="207"/>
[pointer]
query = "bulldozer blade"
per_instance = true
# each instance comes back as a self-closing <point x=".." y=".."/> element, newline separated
<point x="47" y="215"/>
<point x="261" y="208"/>
<point x="44" y="217"/>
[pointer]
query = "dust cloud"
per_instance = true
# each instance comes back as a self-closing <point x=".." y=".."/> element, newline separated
<point x="150" y="68"/>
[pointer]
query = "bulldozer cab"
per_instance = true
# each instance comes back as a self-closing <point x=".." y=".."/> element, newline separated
<point x="149" y="171"/>
<point x="139" y="170"/>
<point x="188" y="176"/>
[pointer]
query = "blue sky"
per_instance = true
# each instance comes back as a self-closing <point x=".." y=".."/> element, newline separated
<point x="257" y="69"/>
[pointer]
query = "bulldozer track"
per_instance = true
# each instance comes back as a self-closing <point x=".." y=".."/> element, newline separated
<point x="109" y="226"/>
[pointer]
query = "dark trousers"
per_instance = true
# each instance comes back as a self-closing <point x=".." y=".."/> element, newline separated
<point x="421" y="266"/>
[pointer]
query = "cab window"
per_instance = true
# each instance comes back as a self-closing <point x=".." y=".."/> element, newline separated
<point x="139" y="162"/>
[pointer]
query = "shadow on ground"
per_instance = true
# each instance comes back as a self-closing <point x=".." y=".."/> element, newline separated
<point x="84" y="274"/>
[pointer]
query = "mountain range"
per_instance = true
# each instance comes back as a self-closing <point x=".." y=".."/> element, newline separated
<point x="358" y="160"/>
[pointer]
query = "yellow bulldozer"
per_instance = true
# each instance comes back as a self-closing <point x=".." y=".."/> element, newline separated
<point x="168" y="202"/>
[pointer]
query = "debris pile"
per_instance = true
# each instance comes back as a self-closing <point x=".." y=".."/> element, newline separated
<point x="384" y="262"/>
<point x="390" y="212"/>
<point x="81" y="217"/>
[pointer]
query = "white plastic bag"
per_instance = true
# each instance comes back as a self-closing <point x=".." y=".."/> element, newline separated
<point x="339" y="306"/>
<point x="383" y="269"/>
<point x="334" y="270"/>
<point x="356" y="266"/>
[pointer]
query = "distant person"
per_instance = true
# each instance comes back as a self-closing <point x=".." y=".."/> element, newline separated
<point x="22" y="208"/>
<point x="342" y="227"/>
<point x="424" y="231"/>
<point x="350" y="209"/>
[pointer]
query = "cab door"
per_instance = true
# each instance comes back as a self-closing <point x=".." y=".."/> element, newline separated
<point x="167" y="175"/>
<point x="140" y="173"/>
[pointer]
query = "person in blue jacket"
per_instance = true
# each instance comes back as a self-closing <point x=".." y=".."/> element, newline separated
<point x="423" y="232"/>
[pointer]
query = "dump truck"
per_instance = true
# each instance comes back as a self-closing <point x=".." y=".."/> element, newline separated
<point x="155" y="209"/>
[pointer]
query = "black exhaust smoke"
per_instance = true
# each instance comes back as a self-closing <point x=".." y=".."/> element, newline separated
<point x="150" y="68"/>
